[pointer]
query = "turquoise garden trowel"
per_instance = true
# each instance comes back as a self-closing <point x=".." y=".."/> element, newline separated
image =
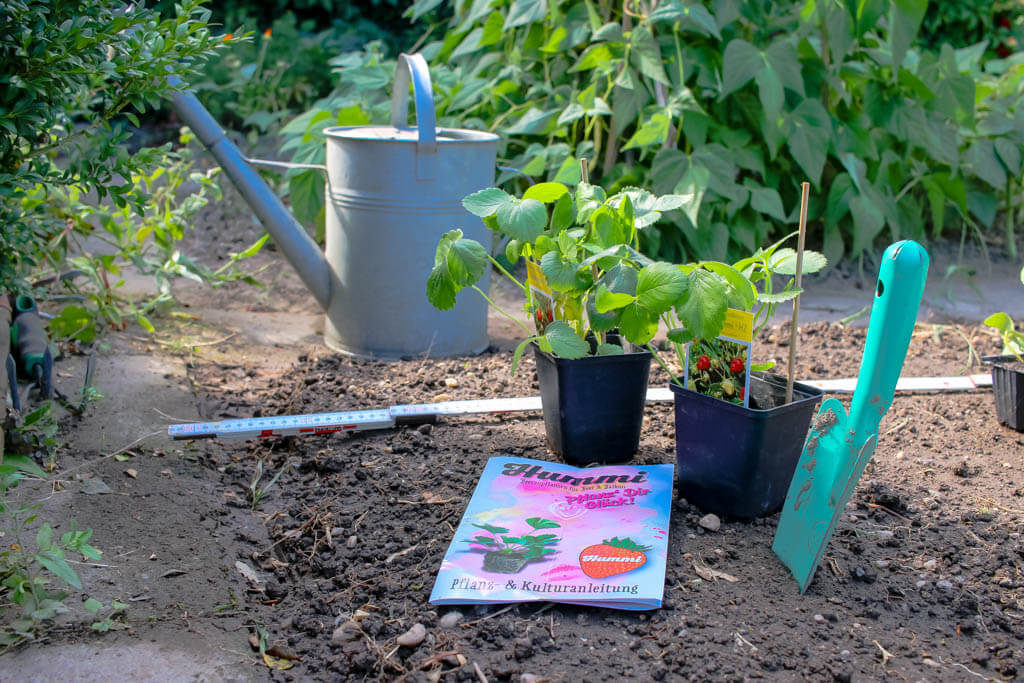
<point x="839" y="446"/>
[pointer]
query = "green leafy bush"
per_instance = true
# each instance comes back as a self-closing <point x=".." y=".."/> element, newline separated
<point x="77" y="76"/>
<point x="732" y="103"/>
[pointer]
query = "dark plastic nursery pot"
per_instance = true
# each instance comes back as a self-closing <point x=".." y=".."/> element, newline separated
<point x="593" y="406"/>
<point x="737" y="462"/>
<point x="1008" y="390"/>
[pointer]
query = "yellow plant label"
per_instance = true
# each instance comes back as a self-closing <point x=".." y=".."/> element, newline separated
<point x="738" y="325"/>
<point x="535" y="276"/>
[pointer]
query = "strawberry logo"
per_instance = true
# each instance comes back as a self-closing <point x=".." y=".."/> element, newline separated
<point x="611" y="557"/>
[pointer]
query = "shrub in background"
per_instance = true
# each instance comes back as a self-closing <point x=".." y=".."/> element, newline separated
<point x="76" y="78"/>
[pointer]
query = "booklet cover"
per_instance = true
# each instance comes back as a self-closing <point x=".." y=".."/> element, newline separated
<point x="544" y="531"/>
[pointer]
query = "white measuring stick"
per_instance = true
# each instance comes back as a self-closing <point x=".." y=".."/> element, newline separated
<point x="965" y="383"/>
<point x="386" y="418"/>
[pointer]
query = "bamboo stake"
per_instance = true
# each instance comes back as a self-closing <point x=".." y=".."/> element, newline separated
<point x="805" y="189"/>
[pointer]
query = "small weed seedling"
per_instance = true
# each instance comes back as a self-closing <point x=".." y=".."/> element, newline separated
<point x="257" y="492"/>
<point x="113" y="620"/>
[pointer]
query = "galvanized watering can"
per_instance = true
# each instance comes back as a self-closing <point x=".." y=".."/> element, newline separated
<point x="392" y="191"/>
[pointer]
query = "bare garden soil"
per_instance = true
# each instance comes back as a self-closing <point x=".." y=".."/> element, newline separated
<point x="922" y="581"/>
<point x="333" y="565"/>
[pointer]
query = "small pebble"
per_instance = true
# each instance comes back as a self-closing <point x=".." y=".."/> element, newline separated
<point x="451" y="619"/>
<point x="710" y="522"/>
<point x="451" y="382"/>
<point x="882" y="564"/>
<point x="819" y="618"/>
<point x="351" y="542"/>
<point x="413" y="637"/>
<point x="930" y="565"/>
<point x="425" y="429"/>
<point x="921" y="584"/>
<point x="528" y="678"/>
<point x="885" y="534"/>
<point x="844" y="654"/>
<point x="346" y="632"/>
<point x="943" y="584"/>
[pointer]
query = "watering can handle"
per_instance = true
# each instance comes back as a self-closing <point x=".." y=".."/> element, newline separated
<point x="414" y="67"/>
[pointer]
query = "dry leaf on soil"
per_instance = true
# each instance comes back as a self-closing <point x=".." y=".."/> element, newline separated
<point x="709" y="574"/>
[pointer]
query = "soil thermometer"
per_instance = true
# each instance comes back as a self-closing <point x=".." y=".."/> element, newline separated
<point x="805" y="189"/>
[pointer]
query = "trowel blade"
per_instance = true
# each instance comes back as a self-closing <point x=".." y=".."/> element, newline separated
<point x="812" y="506"/>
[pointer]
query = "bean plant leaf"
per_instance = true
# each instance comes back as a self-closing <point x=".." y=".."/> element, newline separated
<point x="523" y="219"/>
<point x="651" y="132"/>
<point x="704" y="304"/>
<point x="868" y="221"/>
<point x="766" y="200"/>
<point x="810" y="133"/>
<point x="487" y="202"/>
<point x="981" y="156"/>
<point x="645" y="55"/>
<point x="565" y="343"/>
<point x="904" y="20"/>
<point x="524" y="12"/>
<point x="695" y="16"/>
<point x="741" y="62"/>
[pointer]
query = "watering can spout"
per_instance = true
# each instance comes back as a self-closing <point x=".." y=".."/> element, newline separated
<point x="298" y="247"/>
<point x="391" y="192"/>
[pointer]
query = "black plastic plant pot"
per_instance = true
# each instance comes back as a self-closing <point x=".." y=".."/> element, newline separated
<point x="737" y="462"/>
<point x="1008" y="390"/>
<point x="593" y="406"/>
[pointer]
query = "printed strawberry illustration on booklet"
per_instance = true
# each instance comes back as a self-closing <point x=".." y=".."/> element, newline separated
<point x="544" y="531"/>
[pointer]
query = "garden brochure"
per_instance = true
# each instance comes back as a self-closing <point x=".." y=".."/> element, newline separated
<point x="543" y="531"/>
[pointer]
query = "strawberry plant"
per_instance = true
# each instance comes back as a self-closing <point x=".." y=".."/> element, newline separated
<point x="612" y="556"/>
<point x="1013" y="340"/>
<point x="586" y="245"/>
<point x="765" y="280"/>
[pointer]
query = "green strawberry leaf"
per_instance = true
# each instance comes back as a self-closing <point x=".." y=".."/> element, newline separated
<point x="743" y="287"/>
<point x="607" y="300"/>
<point x="523" y="219"/>
<point x="609" y="350"/>
<point x="560" y="274"/>
<point x="564" y="341"/>
<point x="783" y="261"/>
<point x="638" y="324"/>
<point x="659" y="287"/>
<point x="546" y="192"/>
<point x="704" y="304"/>
<point x="518" y="354"/>
<point x="487" y="202"/>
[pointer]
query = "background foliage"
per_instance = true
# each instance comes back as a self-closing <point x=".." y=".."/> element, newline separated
<point x="730" y="103"/>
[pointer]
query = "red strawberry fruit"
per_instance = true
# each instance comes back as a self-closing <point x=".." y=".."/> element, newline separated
<point x="611" y="557"/>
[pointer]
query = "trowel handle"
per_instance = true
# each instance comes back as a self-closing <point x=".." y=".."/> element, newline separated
<point x="414" y="67"/>
<point x="898" y="293"/>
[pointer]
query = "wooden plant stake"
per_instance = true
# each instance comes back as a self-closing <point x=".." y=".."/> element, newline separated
<point x="805" y="189"/>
